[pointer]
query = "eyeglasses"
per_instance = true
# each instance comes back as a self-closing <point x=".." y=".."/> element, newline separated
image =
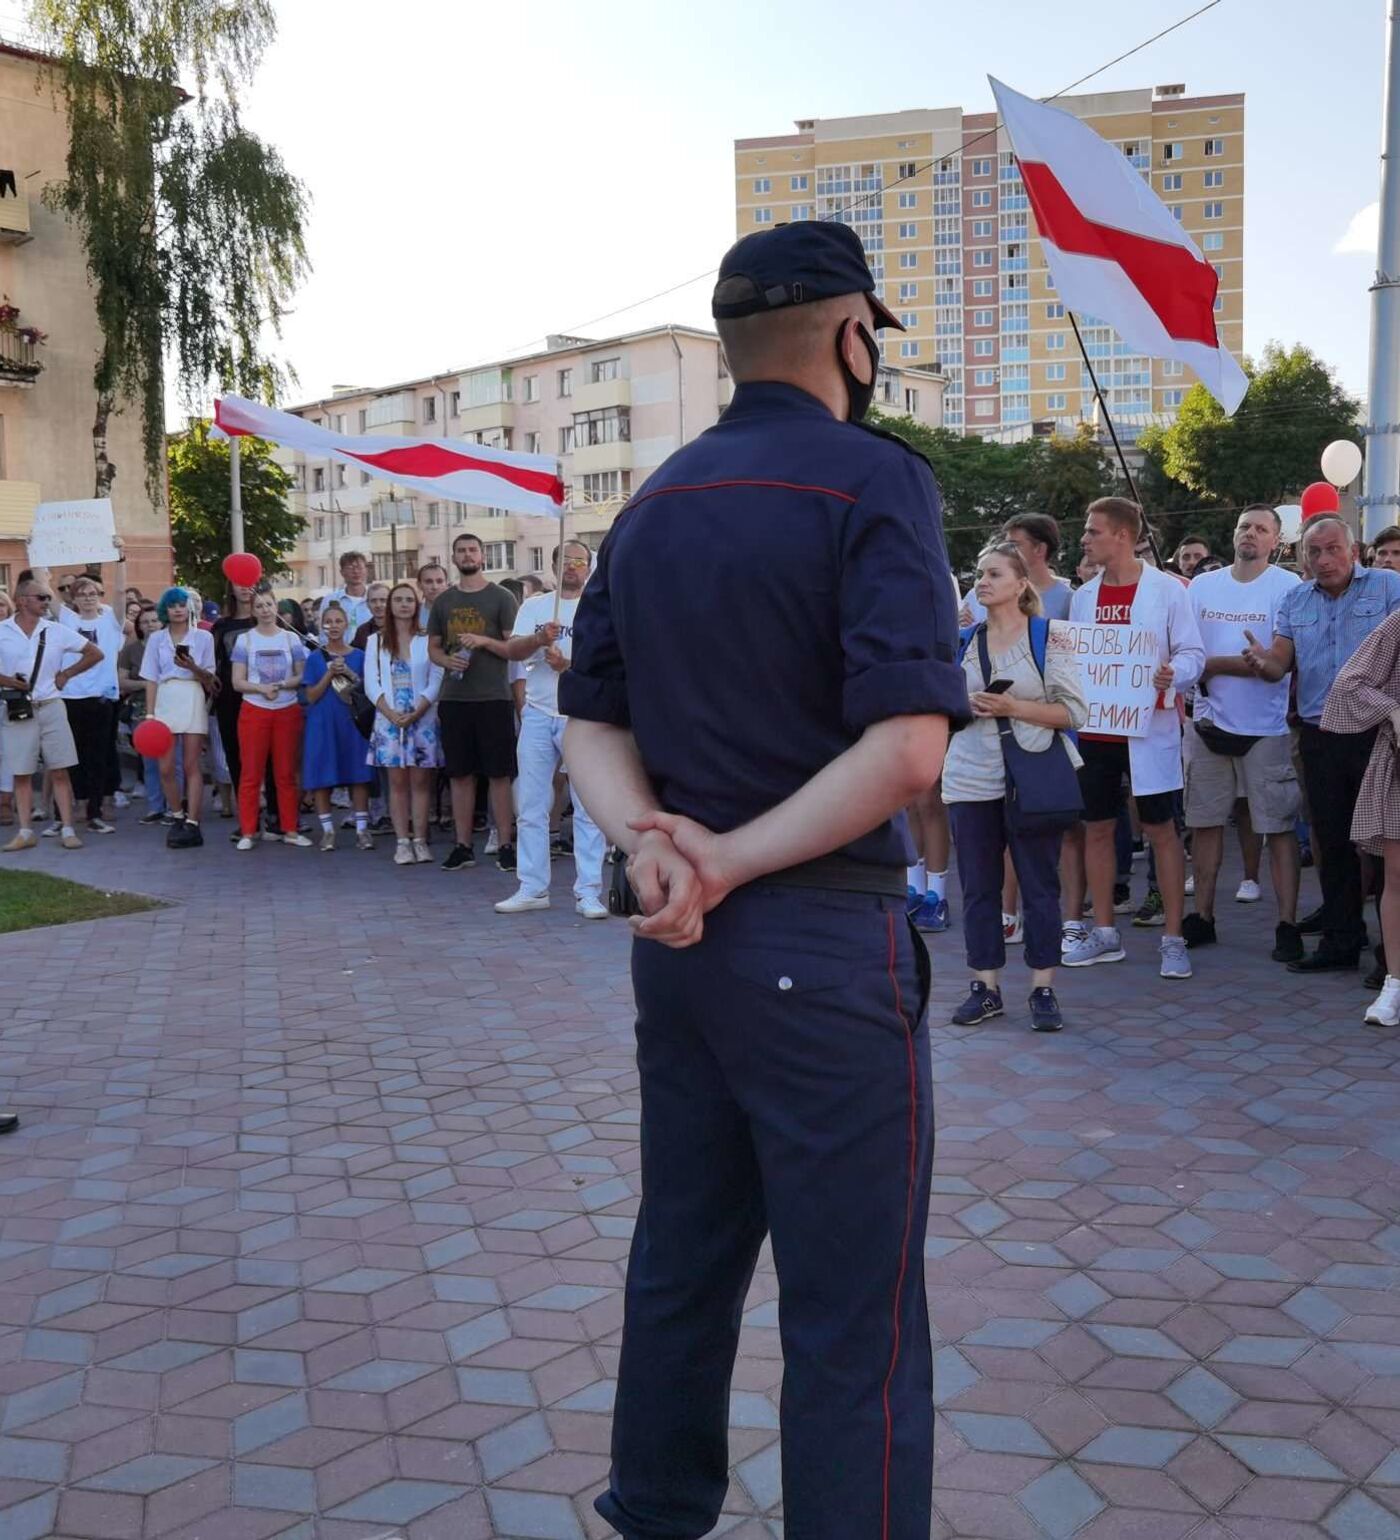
<point x="576" y="561"/>
<point x="42" y="598"/>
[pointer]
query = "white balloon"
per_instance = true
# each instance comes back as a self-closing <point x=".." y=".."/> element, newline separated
<point x="1341" y="462"/>
<point x="1291" y="518"/>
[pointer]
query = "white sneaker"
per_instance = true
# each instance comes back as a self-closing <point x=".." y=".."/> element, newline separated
<point x="244" y="843"/>
<point x="1384" y="1010"/>
<point x="1012" y="929"/>
<point x="120" y="799"/>
<point x="591" y="909"/>
<point x="299" y="840"/>
<point x="403" y="853"/>
<point x="1248" y="892"/>
<point x="493" y="844"/>
<point x="521" y="902"/>
<point x="421" y="853"/>
<point x="1191" y="886"/>
<point x="137" y="792"/>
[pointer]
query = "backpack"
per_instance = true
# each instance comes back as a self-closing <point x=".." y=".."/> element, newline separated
<point x="1040" y="640"/>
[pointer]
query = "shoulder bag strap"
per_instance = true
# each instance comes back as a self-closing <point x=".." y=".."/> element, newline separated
<point x="39" y="657"/>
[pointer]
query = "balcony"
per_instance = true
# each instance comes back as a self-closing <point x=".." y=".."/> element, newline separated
<point x="616" y="456"/>
<point x="14" y="216"/>
<point x="19" y="359"/>
<point x="598" y="397"/>
<point x="482" y="419"/>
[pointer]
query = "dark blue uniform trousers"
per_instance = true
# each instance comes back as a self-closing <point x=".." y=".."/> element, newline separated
<point x="785" y="1085"/>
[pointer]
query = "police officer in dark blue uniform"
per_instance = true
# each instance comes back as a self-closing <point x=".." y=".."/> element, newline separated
<point x="763" y="676"/>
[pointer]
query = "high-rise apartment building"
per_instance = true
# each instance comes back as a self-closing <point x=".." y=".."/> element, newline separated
<point x="937" y="199"/>
<point x="610" y="409"/>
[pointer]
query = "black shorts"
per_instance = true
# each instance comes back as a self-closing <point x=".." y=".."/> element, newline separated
<point x="1104" y="778"/>
<point x="478" y="738"/>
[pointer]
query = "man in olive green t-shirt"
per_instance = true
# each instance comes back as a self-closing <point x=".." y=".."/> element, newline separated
<point x="467" y="632"/>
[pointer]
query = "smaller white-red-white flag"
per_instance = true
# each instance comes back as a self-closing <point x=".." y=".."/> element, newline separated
<point x="1115" y="250"/>
<point x="443" y="468"/>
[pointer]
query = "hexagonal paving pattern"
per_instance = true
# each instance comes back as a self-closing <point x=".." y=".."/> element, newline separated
<point x="317" y="1223"/>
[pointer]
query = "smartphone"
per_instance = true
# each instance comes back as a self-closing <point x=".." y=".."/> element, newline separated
<point x="182" y="650"/>
<point x="998" y="687"/>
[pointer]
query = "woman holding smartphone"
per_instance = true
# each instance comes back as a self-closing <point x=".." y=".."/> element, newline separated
<point x="1038" y="688"/>
<point x="178" y="668"/>
<point x="333" y="753"/>
<point x="403" y="683"/>
<point x="267" y="669"/>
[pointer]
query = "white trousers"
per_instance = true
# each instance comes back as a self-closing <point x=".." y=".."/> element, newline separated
<point x="540" y="752"/>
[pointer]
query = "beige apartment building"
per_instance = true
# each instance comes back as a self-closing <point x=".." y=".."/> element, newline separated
<point x="611" y="410"/>
<point x="937" y="199"/>
<point x="46" y="390"/>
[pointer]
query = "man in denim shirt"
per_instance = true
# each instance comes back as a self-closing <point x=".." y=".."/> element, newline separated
<point x="1321" y="623"/>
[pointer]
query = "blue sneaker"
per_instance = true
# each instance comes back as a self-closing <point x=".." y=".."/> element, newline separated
<point x="932" y="914"/>
<point x="912" y="899"/>
<point x="981" y="1005"/>
<point x="1045" y="1010"/>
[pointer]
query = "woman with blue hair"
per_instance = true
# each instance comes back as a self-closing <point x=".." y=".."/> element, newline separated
<point x="178" y="667"/>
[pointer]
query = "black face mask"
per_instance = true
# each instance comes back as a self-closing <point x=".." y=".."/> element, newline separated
<point x="860" y="395"/>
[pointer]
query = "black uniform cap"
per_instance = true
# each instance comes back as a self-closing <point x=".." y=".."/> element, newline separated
<point x="793" y="264"/>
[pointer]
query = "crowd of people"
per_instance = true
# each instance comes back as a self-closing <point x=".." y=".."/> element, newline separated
<point x="394" y="709"/>
<point x="365" y="708"/>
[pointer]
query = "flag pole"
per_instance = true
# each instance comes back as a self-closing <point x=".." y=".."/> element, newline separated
<point x="1113" y="433"/>
<point x="559" y="559"/>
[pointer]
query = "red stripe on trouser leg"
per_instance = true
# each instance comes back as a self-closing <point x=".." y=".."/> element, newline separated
<point x="908" y="1226"/>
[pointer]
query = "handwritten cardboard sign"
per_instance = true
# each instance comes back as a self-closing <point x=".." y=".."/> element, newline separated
<point x="69" y="534"/>
<point x="1117" y="664"/>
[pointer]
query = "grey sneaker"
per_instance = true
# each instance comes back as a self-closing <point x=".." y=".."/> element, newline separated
<point x="1175" y="963"/>
<point x="1072" y="932"/>
<point x="1099" y="946"/>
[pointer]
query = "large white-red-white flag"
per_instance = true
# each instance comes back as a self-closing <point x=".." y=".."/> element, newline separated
<point x="1115" y="251"/>
<point x="443" y="468"/>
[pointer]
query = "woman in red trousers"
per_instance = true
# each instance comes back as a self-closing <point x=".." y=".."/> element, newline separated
<point x="267" y="668"/>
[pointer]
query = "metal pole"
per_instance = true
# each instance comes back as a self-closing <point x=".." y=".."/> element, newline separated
<point x="1382" y="486"/>
<point x="1113" y="433"/>
<point x="235" y="496"/>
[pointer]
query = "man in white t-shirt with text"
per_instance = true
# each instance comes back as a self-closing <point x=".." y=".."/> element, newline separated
<point x="1237" y="746"/>
<point x="545" y="645"/>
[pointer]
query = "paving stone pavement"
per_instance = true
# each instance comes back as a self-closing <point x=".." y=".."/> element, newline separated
<point x="318" y="1218"/>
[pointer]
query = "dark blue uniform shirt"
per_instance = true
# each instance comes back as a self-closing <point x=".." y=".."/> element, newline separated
<point x="777" y="586"/>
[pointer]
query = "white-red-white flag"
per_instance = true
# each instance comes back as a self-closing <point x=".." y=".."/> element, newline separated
<point x="1114" y="249"/>
<point x="443" y="468"/>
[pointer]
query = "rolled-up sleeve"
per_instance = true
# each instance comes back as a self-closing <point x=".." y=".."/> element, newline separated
<point x="594" y="686"/>
<point x="899" y="623"/>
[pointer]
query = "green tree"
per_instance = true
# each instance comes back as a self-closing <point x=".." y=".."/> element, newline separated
<point x="198" y="469"/>
<point x="1270" y="449"/>
<point x="191" y="225"/>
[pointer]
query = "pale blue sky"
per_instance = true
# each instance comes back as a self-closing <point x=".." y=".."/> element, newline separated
<point x="484" y="175"/>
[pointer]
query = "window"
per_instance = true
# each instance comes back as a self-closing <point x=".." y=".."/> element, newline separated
<point x="1055" y="311"/>
<point x="982" y="229"/>
<point x="763" y="184"/>
<point x="909" y="259"/>
<point x="983" y="407"/>
<point x="611" y="425"/>
<point x="984" y="317"/>
<point x="388" y="511"/>
<point x="1219" y="303"/>
<point x="911" y="402"/>
<point x="981" y="168"/>
<point x="1173" y="397"/>
<point x="320" y="527"/>
<point x="908" y="291"/>
<point x="983" y="288"/>
<point x="908" y="200"/>
<point x="364" y="418"/>
<point x="532" y="443"/>
<point x="908" y="231"/>
<point x="566" y="440"/>
<point x="1170" y="152"/>
<point x="320" y="576"/>
<point x="1215" y="179"/>
<point x="565" y="381"/>
<point x="603" y="486"/>
<point x="982" y="198"/>
<point x="339" y="475"/>
<point x="500" y="555"/>
<point x="318" y="479"/>
<point x="1055" y="403"/>
<point x="797" y="184"/>
<point x="908" y="349"/>
<point x="1215" y="146"/>
<point x="1213" y="240"/>
<point x="365" y="478"/>
<point x="1214" y="211"/>
<point x="532" y="388"/>
<point x="909" y="318"/>
<point x="800" y="212"/>
<point x="434" y="515"/>
<point x="984" y="376"/>
<point x="602" y="369"/>
<point x="1171" y="182"/>
<point x="429" y="408"/>
<point x="763" y="216"/>
<point x="1054" y="371"/>
<point x="1054" y="342"/>
<point x="342" y="523"/>
<point x="1173" y="369"/>
<point x="984" y="347"/>
<point x="982" y="258"/>
<point x="536" y="558"/>
<point x="1175" y="211"/>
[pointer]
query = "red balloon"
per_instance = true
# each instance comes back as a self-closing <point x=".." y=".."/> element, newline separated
<point x="1320" y="497"/>
<point x="242" y="569"/>
<point x="152" y="739"/>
